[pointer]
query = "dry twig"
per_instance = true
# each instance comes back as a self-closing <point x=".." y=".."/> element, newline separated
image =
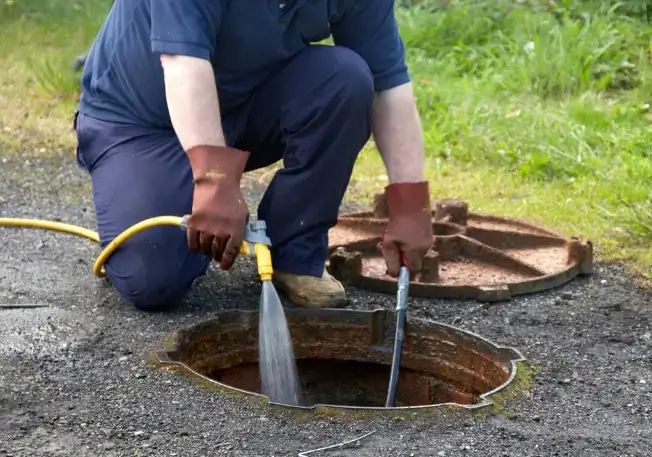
<point x="338" y="445"/>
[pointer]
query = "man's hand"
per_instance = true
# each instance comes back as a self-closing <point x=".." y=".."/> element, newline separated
<point x="409" y="234"/>
<point x="219" y="210"/>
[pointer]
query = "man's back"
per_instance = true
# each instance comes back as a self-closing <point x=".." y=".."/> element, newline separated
<point x="246" y="40"/>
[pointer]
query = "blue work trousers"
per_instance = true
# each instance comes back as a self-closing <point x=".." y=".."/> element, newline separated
<point x="314" y="113"/>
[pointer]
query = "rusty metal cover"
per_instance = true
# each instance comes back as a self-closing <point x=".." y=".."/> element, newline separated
<point x="344" y="359"/>
<point x="479" y="256"/>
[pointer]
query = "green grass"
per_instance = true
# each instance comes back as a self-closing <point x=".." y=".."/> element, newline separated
<point x="529" y="110"/>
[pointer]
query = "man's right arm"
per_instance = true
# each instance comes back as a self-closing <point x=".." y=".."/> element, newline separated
<point x="183" y="34"/>
<point x="192" y="101"/>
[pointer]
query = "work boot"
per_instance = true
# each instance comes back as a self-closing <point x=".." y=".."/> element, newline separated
<point x="310" y="291"/>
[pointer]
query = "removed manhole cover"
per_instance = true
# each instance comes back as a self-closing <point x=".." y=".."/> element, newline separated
<point x="484" y="257"/>
<point x="344" y="359"/>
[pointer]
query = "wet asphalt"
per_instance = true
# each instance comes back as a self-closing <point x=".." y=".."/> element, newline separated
<point x="74" y="380"/>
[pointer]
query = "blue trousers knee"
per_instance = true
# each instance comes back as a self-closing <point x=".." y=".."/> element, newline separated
<point x="314" y="114"/>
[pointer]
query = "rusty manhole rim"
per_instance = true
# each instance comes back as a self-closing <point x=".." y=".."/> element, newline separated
<point x="163" y="359"/>
<point x="362" y="230"/>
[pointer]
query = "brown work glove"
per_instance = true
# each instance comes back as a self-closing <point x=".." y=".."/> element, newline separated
<point x="408" y="237"/>
<point x="219" y="211"/>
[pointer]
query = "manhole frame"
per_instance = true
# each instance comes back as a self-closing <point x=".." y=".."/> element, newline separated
<point x="163" y="359"/>
<point x="453" y="214"/>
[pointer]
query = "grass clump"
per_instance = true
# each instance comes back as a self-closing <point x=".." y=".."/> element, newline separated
<point x="532" y="108"/>
<point x="553" y="99"/>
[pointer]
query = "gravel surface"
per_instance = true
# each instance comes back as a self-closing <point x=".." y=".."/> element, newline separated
<point x="75" y="383"/>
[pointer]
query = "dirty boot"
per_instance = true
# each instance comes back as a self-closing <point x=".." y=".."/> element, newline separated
<point x="310" y="291"/>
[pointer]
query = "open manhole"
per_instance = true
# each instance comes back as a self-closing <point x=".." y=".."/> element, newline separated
<point x="344" y="358"/>
<point x="479" y="256"/>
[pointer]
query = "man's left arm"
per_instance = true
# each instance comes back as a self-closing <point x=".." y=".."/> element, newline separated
<point x="398" y="135"/>
<point x="369" y="28"/>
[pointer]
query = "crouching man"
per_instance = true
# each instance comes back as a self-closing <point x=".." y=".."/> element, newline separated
<point x="180" y="98"/>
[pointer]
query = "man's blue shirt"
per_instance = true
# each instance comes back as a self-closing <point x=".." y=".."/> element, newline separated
<point x="246" y="41"/>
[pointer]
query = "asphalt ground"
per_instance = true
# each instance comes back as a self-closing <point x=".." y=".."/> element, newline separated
<point x="74" y="380"/>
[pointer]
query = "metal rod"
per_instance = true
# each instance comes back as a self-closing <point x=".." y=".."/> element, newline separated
<point x="401" y="310"/>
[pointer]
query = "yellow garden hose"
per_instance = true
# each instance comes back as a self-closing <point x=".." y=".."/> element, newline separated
<point x="256" y="242"/>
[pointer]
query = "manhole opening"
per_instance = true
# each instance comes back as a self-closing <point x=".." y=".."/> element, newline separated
<point x="344" y="358"/>
<point x="351" y="383"/>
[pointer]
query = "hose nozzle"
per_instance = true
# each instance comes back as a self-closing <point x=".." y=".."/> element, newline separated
<point x="256" y="244"/>
<point x="264" y="261"/>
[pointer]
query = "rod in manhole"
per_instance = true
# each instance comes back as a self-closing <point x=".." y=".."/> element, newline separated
<point x="401" y="310"/>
